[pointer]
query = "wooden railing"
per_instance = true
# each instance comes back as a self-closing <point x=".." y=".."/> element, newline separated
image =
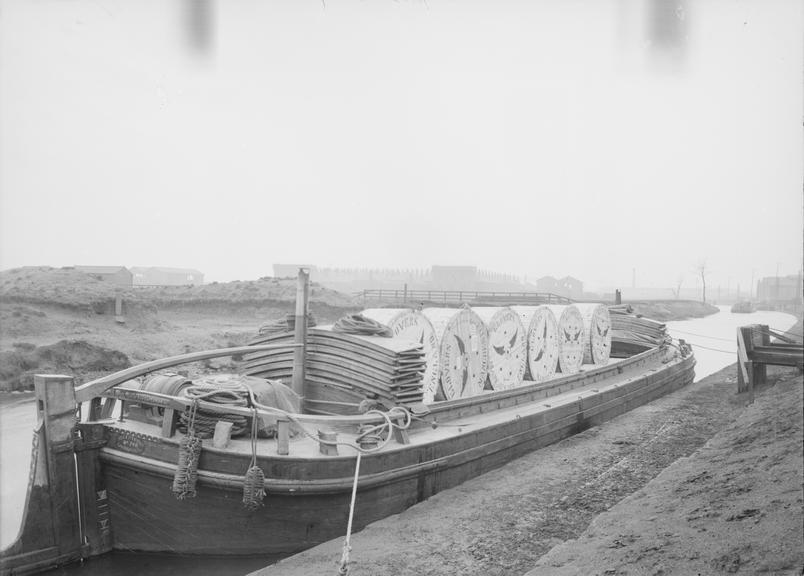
<point x="755" y="352"/>
<point x="405" y="296"/>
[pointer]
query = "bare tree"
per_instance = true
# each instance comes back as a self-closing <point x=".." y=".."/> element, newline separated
<point x="677" y="289"/>
<point x="702" y="270"/>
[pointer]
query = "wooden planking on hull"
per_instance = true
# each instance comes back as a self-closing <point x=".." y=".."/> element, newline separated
<point x="390" y="482"/>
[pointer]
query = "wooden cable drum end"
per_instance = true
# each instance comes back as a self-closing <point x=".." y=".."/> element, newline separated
<point x="463" y="345"/>
<point x="507" y="346"/>
<point x="571" y="338"/>
<point x="412" y="325"/>
<point x="597" y="326"/>
<point x="543" y="346"/>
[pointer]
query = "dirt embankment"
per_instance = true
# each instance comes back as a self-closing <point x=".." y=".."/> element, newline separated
<point x="665" y="310"/>
<point x="502" y="522"/>
<point x="735" y="506"/>
<point x="60" y="320"/>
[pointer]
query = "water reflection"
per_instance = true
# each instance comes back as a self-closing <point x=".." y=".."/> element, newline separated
<point x="714" y="338"/>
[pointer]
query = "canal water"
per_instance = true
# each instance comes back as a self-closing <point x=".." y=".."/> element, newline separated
<point x="713" y="339"/>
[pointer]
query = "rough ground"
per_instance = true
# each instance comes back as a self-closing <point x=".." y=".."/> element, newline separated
<point x="60" y="320"/>
<point x="503" y="522"/>
<point x="735" y="506"/>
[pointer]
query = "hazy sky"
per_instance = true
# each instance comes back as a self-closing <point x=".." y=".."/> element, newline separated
<point x="586" y="137"/>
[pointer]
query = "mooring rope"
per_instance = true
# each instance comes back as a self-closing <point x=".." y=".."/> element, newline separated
<point x="712" y="349"/>
<point x="343" y="570"/>
<point x="387" y="426"/>
<point x="701" y="335"/>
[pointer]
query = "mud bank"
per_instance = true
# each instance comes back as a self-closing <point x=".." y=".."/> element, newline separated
<point x="733" y="506"/>
<point x="502" y="523"/>
<point x="672" y="309"/>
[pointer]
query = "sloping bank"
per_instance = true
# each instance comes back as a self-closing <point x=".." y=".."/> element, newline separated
<point x="733" y="506"/>
<point x="502" y="522"/>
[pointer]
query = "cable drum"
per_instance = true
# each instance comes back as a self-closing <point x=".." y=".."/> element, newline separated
<point x="507" y="346"/>
<point x="543" y="347"/>
<point x="597" y="325"/>
<point x="413" y="325"/>
<point x="571" y="338"/>
<point x="463" y="344"/>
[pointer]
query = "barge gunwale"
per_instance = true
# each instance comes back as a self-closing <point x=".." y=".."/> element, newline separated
<point x="327" y="474"/>
<point x="302" y="510"/>
<point x="459" y="407"/>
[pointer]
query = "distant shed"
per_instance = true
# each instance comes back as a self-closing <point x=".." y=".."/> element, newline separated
<point x="119" y="275"/>
<point x="159" y="276"/>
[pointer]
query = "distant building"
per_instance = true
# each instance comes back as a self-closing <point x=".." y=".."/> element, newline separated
<point x="159" y="276"/>
<point x="571" y="287"/>
<point x="566" y="286"/>
<point x="779" y="288"/>
<point x="548" y="284"/>
<point x="119" y="275"/>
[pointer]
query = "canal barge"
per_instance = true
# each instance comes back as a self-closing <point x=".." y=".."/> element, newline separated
<point x="108" y="481"/>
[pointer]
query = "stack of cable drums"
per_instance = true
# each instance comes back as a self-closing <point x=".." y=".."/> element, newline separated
<point x="542" y="333"/>
<point x="463" y="346"/>
<point x="571" y="338"/>
<point x="507" y="346"/>
<point x="413" y="325"/>
<point x="597" y="325"/>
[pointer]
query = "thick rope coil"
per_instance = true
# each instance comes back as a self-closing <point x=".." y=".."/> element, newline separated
<point x="254" y="482"/>
<point x="186" y="475"/>
<point x="204" y="421"/>
<point x="359" y="324"/>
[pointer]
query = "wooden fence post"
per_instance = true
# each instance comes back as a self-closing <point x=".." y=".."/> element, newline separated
<point x="51" y="532"/>
<point x="55" y="396"/>
<point x="300" y="335"/>
<point x="743" y="378"/>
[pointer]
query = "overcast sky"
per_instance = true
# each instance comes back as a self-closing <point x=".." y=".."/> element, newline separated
<point x="587" y="137"/>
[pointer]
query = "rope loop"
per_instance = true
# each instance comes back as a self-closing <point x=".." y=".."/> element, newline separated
<point x="254" y="482"/>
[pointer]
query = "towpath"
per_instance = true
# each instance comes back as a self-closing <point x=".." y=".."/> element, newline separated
<point x="503" y="522"/>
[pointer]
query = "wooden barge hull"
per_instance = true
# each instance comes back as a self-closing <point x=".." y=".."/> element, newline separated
<point x="307" y="500"/>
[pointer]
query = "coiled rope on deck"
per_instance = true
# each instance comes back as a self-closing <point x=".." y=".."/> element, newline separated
<point x="205" y="421"/>
<point x="382" y="432"/>
<point x="359" y="324"/>
<point x="371" y="438"/>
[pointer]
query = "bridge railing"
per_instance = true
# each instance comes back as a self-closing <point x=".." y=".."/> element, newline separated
<point x="405" y="296"/>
